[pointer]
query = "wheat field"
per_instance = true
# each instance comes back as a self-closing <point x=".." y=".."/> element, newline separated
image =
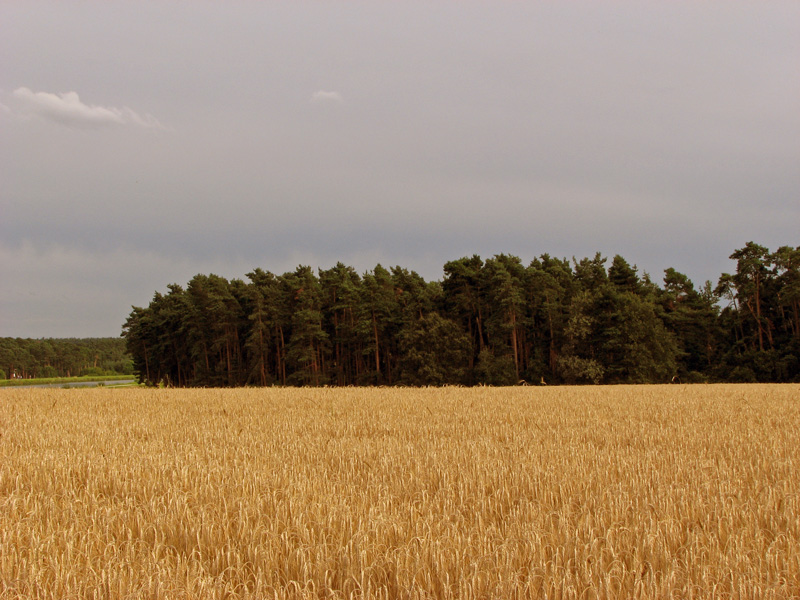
<point x="528" y="492"/>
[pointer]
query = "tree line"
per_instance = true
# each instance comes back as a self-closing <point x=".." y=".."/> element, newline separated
<point x="495" y="322"/>
<point x="66" y="357"/>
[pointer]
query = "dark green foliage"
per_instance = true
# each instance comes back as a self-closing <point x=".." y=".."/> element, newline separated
<point x="634" y="345"/>
<point x="578" y="361"/>
<point x="308" y="348"/>
<point x="494" y="370"/>
<point x="760" y="326"/>
<point x="434" y="351"/>
<point x="693" y="317"/>
<point x="32" y="358"/>
<point x="341" y="293"/>
<point x="464" y="300"/>
<point x="623" y="276"/>
<point x="492" y="322"/>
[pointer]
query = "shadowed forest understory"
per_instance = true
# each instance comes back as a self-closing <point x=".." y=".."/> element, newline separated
<point x="494" y="322"/>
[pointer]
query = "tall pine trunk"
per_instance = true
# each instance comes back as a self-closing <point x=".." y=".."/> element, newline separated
<point x="377" y="346"/>
<point x="514" y="343"/>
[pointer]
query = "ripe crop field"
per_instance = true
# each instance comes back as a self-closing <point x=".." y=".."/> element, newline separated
<point x="529" y="492"/>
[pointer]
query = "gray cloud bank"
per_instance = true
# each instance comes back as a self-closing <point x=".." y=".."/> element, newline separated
<point x="405" y="133"/>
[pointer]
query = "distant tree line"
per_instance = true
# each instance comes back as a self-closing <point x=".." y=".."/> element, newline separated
<point x="66" y="357"/>
<point x="494" y="321"/>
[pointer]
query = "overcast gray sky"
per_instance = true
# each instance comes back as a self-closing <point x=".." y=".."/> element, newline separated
<point x="142" y="143"/>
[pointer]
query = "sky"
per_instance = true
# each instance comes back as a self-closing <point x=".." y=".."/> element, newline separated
<point x="142" y="143"/>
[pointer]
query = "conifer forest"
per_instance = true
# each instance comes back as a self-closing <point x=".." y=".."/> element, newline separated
<point x="492" y="321"/>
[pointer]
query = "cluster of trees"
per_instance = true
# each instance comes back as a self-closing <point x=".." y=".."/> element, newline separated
<point x="29" y="358"/>
<point x="494" y="321"/>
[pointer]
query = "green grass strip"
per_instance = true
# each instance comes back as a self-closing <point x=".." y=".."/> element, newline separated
<point x="65" y="380"/>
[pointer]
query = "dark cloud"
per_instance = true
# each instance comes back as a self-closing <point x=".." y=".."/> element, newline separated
<point x="401" y="133"/>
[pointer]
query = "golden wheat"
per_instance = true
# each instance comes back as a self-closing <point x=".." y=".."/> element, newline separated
<point x="591" y="492"/>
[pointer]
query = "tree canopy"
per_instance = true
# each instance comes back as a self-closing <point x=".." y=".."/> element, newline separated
<point x="494" y="321"/>
<point x="27" y="358"/>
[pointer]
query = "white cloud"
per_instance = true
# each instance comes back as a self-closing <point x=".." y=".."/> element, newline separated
<point x="323" y="96"/>
<point x="67" y="109"/>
